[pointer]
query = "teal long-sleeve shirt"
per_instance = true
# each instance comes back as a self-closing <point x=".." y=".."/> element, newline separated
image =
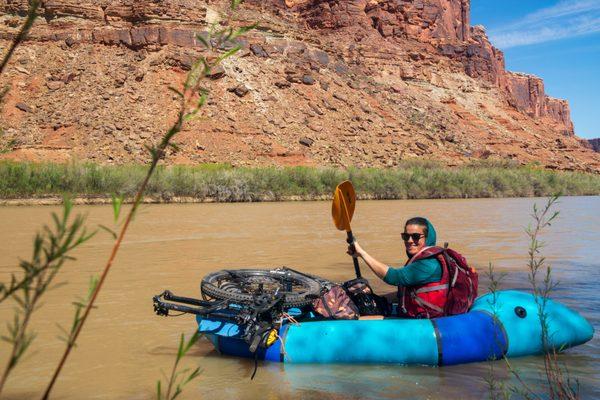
<point x="419" y="272"/>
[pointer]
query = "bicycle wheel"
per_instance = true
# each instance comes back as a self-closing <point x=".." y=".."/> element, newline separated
<point x="244" y="285"/>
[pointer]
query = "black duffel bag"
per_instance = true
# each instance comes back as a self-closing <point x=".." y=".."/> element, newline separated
<point x="362" y="296"/>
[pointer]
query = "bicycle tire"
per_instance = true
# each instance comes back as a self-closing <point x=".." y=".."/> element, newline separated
<point x="210" y="285"/>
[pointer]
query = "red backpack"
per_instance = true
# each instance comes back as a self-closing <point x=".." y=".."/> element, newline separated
<point x="463" y="281"/>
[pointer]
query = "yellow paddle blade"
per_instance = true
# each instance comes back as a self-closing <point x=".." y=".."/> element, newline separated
<point x="342" y="208"/>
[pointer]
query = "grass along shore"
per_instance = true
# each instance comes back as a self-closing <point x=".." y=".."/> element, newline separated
<point x="23" y="183"/>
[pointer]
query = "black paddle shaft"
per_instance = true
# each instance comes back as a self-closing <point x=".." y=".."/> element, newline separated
<point x="350" y="240"/>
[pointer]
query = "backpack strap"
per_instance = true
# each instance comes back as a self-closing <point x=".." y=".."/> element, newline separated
<point x="424" y="303"/>
<point x="452" y="279"/>
<point x="432" y="288"/>
<point x="426" y="252"/>
<point x="401" y="294"/>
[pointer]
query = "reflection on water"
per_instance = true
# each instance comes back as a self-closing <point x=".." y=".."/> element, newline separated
<point x="124" y="346"/>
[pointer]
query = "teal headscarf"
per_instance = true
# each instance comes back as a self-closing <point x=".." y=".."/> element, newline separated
<point x="431" y="235"/>
<point x="431" y="238"/>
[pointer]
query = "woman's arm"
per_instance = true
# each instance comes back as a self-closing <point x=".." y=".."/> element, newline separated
<point x="379" y="268"/>
<point x="417" y="273"/>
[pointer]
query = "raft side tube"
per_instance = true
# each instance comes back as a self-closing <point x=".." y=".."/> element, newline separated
<point x="399" y="341"/>
<point x="475" y="336"/>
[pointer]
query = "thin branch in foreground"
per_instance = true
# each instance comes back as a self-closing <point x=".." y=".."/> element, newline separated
<point x="192" y="98"/>
<point x="51" y="249"/>
<point x="175" y="384"/>
<point x="559" y="384"/>
<point x="31" y="16"/>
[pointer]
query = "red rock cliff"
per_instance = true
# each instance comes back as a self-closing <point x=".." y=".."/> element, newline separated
<point x="134" y="23"/>
<point x="526" y="94"/>
<point x="444" y="23"/>
<point x="424" y="20"/>
<point x="139" y="23"/>
<point x="323" y="82"/>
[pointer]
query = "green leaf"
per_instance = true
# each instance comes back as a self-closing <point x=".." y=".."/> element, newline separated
<point x="177" y="392"/>
<point x="107" y="229"/>
<point x="226" y="34"/>
<point x="193" y="375"/>
<point x="93" y="285"/>
<point x="117" y="202"/>
<point x="175" y="146"/>
<point x="3" y="92"/>
<point x="180" y="352"/>
<point x="191" y="342"/>
<point x="6" y="339"/>
<point x="203" y="40"/>
<point x="67" y="206"/>
<point x="152" y="150"/>
<point x="242" y="30"/>
<point x="227" y="54"/>
<point x="203" y="97"/>
<point x="84" y="238"/>
<point x="235" y="4"/>
<point x="172" y="89"/>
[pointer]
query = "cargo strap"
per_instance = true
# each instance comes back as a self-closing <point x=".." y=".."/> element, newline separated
<point x="455" y="276"/>
<point x="432" y="288"/>
<point x="428" y="304"/>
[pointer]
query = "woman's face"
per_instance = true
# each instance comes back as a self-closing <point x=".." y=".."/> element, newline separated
<point x="412" y="246"/>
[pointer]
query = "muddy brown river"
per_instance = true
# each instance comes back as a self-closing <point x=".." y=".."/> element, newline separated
<point x="124" y="348"/>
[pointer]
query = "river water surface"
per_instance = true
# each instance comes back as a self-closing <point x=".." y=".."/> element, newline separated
<point x="124" y="346"/>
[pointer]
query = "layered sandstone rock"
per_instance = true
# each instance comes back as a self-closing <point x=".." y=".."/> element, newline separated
<point x="444" y="23"/>
<point x="111" y="12"/>
<point x="131" y="23"/>
<point x="479" y="57"/>
<point x="526" y="94"/>
<point x="424" y="20"/>
<point x="333" y="14"/>
<point x="327" y="82"/>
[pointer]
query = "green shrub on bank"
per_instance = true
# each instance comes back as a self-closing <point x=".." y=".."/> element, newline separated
<point x="222" y="182"/>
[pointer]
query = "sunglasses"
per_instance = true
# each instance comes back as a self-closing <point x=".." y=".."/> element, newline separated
<point x="415" y="236"/>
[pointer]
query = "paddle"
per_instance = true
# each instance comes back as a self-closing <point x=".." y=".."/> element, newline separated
<point x="342" y="209"/>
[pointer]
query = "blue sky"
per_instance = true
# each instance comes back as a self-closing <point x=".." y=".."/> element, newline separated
<point x="557" y="40"/>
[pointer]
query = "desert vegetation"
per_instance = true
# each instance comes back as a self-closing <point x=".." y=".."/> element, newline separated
<point x="224" y="183"/>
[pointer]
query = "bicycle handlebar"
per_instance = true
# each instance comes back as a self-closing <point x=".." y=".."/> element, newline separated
<point x="204" y="307"/>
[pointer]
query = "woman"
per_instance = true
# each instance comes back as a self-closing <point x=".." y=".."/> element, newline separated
<point x="423" y="282"/>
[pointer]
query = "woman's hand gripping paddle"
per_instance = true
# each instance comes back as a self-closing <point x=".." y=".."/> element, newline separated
<point x="342" y="209"/>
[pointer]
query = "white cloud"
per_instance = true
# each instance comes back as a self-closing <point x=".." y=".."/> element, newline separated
<point x="563" y="9"/>
<point x="564" y="20"/>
